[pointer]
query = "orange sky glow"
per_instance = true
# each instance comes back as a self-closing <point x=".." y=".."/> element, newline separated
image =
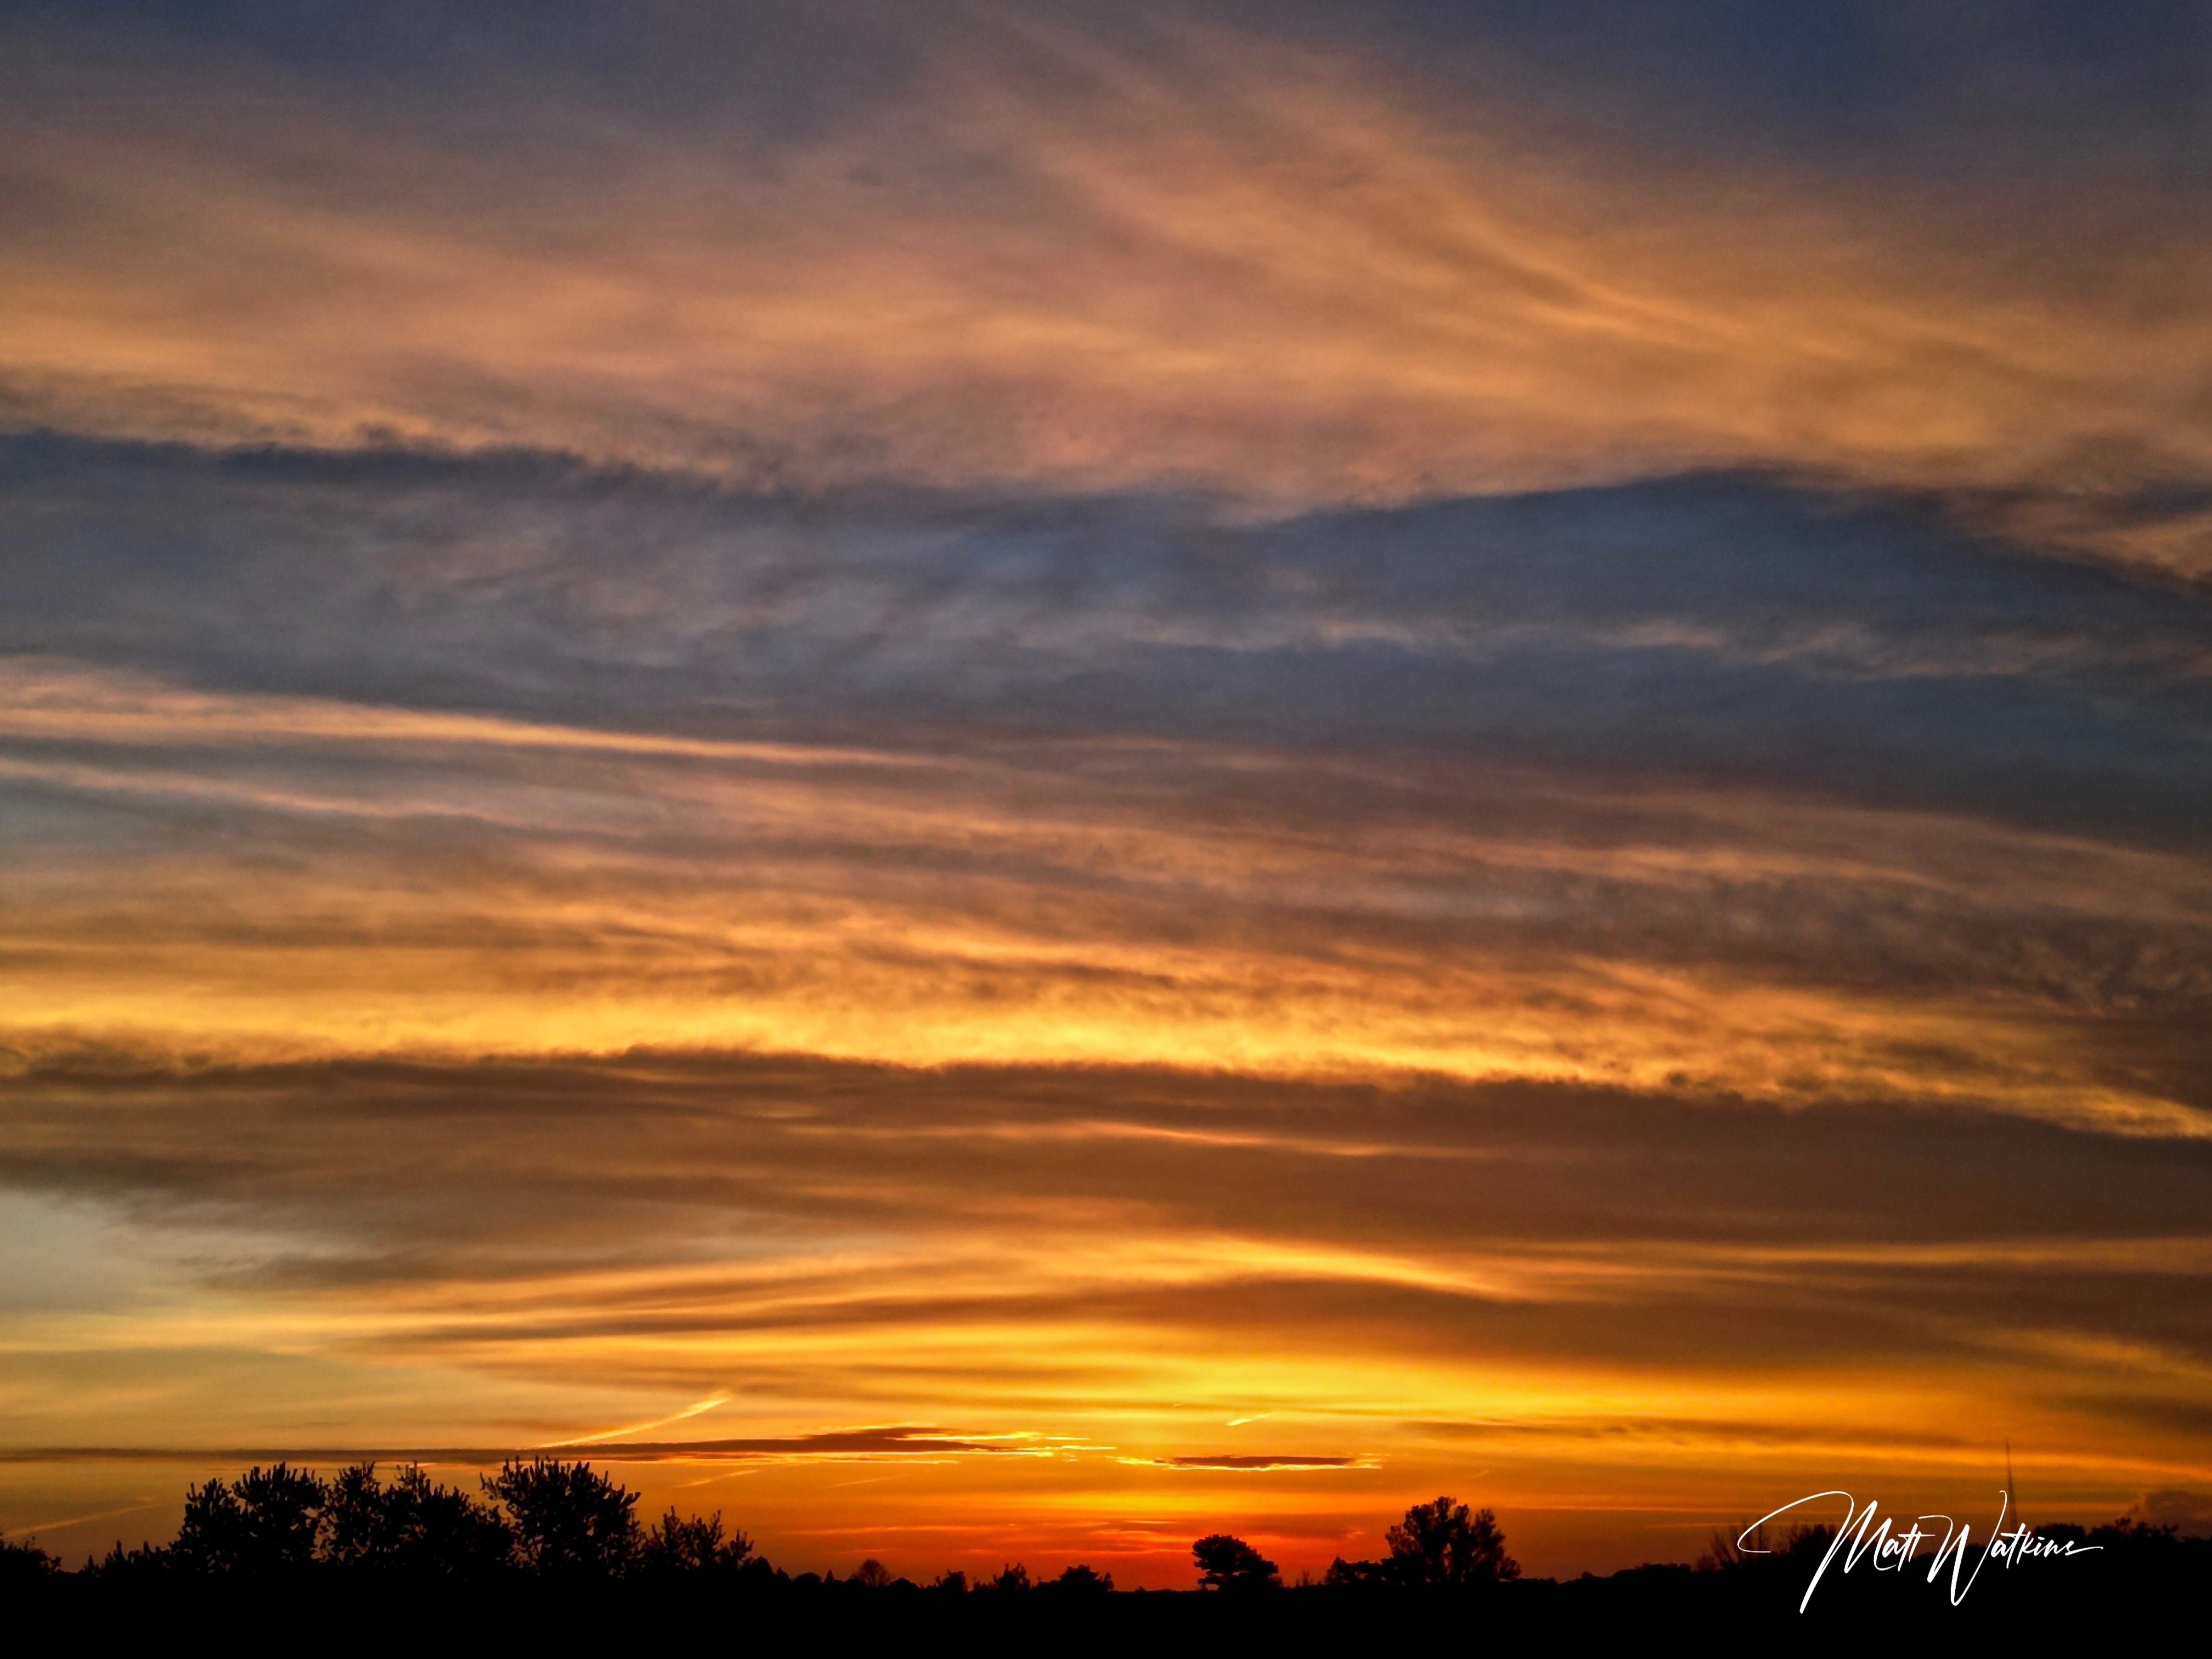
<point x="1001" y="791"/>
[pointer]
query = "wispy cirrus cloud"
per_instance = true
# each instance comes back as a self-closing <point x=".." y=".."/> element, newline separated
<point x="1081" y="254"/>
<point x="1105" y="727"/>
<point x="1257" y="1462"/>
<point x="1688" y="1284"/>
<point x="896" y="769"/>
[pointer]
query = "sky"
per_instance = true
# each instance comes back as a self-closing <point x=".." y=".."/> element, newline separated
<point x="1003" y="782"/>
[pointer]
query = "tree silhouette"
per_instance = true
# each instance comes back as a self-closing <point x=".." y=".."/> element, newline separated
<point x="683" y="1546"/>
<point x="356" y="1530"/>
<point x="1230" y="1564"/>
<point x="267" y="1521"/>
<point x="567" y="1520"/>
<point x="122" y="1569"/>
<point x="413" y="1526"/>
<point x="1355" y="1574"/>
<point x="361" y="1541"/>
<point x="1080" y="1580"/>
<point x="1440" y="1543"/>
<point x="24" y="1566"/>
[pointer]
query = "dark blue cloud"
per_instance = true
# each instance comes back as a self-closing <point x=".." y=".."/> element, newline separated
<point x="1723" y="630"/>
<point x="1960" y="89"/>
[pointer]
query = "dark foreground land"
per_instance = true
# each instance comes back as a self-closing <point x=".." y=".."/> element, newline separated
<point x="1635" y="1609"/>
<point x="551" y="1555"/>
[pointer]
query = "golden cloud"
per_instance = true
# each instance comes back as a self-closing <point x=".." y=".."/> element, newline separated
<point x="1285" y="278"/>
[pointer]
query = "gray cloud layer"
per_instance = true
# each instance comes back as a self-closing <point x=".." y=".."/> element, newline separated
<point x="1717" y="628"/>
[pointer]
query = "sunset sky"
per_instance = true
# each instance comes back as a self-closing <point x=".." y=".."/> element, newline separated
<point x="1010" y="781"/>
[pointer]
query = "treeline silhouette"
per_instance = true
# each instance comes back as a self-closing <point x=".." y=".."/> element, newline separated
<point x="550" y="1526"/>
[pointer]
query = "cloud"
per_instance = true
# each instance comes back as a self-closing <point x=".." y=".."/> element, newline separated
<point x="1088" y="723"/>
<point x="829" y="1445"/>
<point x="1070" y="255"/>
<point x="502" y="1254"/>
<point x="1714" y="781"/>
<point x="1256" y="1463"/>
<point x="790" y="1233"/>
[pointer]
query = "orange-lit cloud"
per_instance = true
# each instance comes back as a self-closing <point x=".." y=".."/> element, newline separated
<point x="1062" y="260"/>
<point x="1330" y="951"/>
<point x="695" y="1229"/>
<point x="1004" y="790"/>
